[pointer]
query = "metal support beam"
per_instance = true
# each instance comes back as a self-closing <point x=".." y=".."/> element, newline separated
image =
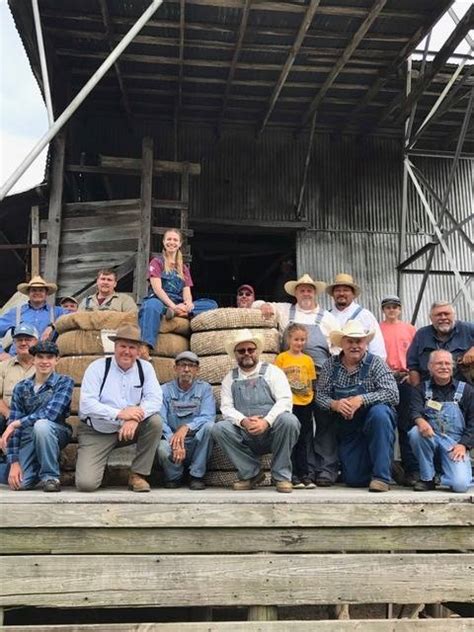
<point x="55" y="208"/>
<point x="304" y="26"/>
<point x="233" y="64"/>
<point x="79" y="98"/>
<point x="346" y="55"/>
<point x="43" y="62"/>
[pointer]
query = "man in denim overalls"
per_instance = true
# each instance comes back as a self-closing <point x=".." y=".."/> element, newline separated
<point x="360" y="391"/>
<point x="442" y="410"/>
<point x="188" y="413"/>
<point x="256" y="403"/>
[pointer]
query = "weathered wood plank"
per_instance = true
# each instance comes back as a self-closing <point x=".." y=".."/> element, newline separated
<point x="102" y="204"/>
<point x="159" y="166"/>
<point x="364" y="625"/>
<point x="234" y="580"/>
<point x="55" y="209"/>
<point x="156" y="511"/>
<point x="144" y="239"/>
<point x="96" y="245"/>
<point x="233" y="540"/>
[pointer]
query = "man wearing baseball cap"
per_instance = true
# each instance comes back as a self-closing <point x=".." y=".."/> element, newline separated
<point x="189" y="414"/>
<point x="245" y="296"/>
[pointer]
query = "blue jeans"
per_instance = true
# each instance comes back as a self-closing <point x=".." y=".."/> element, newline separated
<point x="198" y="448"/>
<point x="366" y="453"/>
<point x="454" y="474"/>
<point x="40" y="447"/>
<point x="152" y="309"/>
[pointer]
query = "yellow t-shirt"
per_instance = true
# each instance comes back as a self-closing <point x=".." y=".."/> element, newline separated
<point x="300" y="372"/>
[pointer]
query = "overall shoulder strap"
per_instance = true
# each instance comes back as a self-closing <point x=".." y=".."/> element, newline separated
<point x="108" y="362"/>
<point x="141" y="373"/>
<point x="18" y="315"/>
<point x="263" y="368"/>
<point x="459" y="392"/>
<point x="52" y="316"/>
<point x="369" y="358"/>
<point x="235" y="373"/>
<point x="291" y="315"/>
<point x="356" y="312"/>
<point x="319" y="316"/>
<point x="428" y="390"/>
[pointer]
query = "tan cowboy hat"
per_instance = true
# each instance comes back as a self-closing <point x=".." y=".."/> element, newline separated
<point x="243" y="335"/>
<point x="352" y="329"/>
<point x="131" y="333"/>
<point x="37" y="281"/>
<point x="343" y="279"/>
<point x="290" y="286"/>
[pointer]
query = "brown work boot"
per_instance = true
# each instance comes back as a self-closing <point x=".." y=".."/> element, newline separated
<point x="250" y="483"/>
<point x="137" y="483"/>
<point x="378" y="486"/>
<point x="285" y="487"/>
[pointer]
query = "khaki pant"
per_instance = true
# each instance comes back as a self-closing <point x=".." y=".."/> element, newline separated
<point x="95" y="448"/>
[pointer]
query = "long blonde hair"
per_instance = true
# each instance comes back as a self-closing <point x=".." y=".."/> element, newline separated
<point x="179" y="264"/>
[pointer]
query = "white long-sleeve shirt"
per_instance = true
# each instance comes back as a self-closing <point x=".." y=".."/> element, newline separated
<point x="370" y="323"/>
<point x="279" y="388"/>
<point x="121" y="389"/>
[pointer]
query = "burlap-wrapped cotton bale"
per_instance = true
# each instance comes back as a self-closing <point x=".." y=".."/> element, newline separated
<point x="76" y="394"/>
<point x="205" y="343"/>
<point x="220" y="461"/>
<point x="94" y="320"/>
<point x="176" y="325"/>
<point x="68" y="458"/>
<point x="216" y="478"/>
<point x="74" y="422"/>
<point x="164" y="369"/>
<point x="169" y="345"/>
<point x="231" y="318"/>
<point x="212" y="369"/>
<point x="75" y="366"/>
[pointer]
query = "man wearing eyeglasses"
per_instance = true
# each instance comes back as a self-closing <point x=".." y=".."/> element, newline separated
<point x="245" y="296"/>
<point x="256" y="403"/>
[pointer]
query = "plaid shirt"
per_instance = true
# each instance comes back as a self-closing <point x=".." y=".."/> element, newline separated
<point x="28" y="406"/>
<point x="380" y="384"/>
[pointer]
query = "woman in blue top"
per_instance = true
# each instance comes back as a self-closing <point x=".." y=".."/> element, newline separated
<point x="170" y="289"/>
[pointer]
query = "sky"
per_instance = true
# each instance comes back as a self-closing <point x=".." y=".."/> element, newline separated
<point x="23" y="118"/>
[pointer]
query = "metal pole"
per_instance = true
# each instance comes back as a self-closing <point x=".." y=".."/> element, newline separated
<point x="299" y="203"/>
<point x="439" y="234"/>
<point x="79" y="98"/>
<point x="43" y="63"/>
<point x="404" y="212"/>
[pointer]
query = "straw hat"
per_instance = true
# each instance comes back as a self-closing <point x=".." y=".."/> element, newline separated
<point x="37" y="281"/>
<point x="290" y="286"/>
<point x="352" y="329"/>
<point x="131" y="333"/>
<point x="343" y="279"/>
<point x="244" y="335"/>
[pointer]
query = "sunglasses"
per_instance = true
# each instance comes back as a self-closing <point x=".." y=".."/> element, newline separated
<point x="245" y="350"/>
<point x="245" y="293"/>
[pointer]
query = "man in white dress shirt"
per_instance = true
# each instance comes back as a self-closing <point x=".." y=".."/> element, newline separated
<point x="344" y="291"/>
<point x="119" y="404"/>
<point x="256" y="403"/>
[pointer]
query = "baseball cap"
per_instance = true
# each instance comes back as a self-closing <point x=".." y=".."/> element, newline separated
<point x="392" y="299"/>
<point x="187" y="355"/>
<point x="245" y="287"/>
<point x="24" y="329"/>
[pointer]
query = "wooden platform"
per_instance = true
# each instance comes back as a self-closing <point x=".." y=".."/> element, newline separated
<point x="175" y="548"/>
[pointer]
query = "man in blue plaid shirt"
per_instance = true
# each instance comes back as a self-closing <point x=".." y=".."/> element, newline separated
<point x="359" y="392"/>
<point x="37" y="429"/>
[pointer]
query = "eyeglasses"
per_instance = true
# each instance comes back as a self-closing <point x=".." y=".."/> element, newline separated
<point x="245" y="293"/>
<point x="186" y="365"/>
<point x="245" y="350"/>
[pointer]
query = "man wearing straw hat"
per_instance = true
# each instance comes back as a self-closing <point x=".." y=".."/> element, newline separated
<point x="256" y="403"/>
<point x="360" y="392"/>
<point x="119" y="404"/>
<point x="322" y="455"/>
<point x="344" y="291"/>
<point x="36" y="312"/>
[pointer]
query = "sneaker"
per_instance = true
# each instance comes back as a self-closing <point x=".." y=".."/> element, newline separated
<point x="378" y="486"/>
<point x="173" y="484"/>
<point x="308" y="483"/>
<point x="169" y="314"/>
<point x="250" y="483"/>
<point x="284" y="487"/>
<point x="196" y="483"/>
<point x="136" y="483"/>
<point x="297" y="484"/>
<point x="324" y="482"/>
<point x="424" y="486"/>
<point x="51" y="485"/>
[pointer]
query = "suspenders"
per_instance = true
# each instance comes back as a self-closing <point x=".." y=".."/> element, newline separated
<point x="108" y="362"/>
<point x="18" y="314"/>
<point x="317" y="320"/>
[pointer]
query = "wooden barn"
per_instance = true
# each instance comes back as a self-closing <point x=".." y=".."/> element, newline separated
<point x="282" y="137"/>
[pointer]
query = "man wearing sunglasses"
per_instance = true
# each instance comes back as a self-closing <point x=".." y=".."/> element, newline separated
<point x="245" y="296"/>
<point x="256" y="403"/>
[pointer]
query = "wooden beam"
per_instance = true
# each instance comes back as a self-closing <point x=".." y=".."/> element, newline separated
<point x="304" y="26"/>
<point x="235" y="58"/>
<point x="374" y="13"/>
<point x="182" y="9"/>
<point x="35" y="240"/>
<point x="159" y="166"/>
<point x="55" y="208"/>
<point x="102" y="204"/>
<point x="144" y="240"/>
<point x="109" y="34"/>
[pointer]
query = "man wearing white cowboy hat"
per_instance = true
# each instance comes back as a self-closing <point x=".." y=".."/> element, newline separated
<point x="360" y="392"/>
<point x="256" y="403"/>
<point x="119" y="404"/>
<point x="344" y="291"/>
<point x="322" y="456"/>
<point x="36" y="312"/>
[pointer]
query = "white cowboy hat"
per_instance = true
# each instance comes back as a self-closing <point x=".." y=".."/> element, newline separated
<point x="290" y="286"/>
<point x="352" y="329"/>
<point x="243" y="335"/>
<point x="343" y="279"/>
<point x="37" y="281"/>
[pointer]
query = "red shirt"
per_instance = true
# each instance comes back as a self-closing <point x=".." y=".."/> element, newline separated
<point x="156" y="268"/>
<point x="397" y="337"/>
